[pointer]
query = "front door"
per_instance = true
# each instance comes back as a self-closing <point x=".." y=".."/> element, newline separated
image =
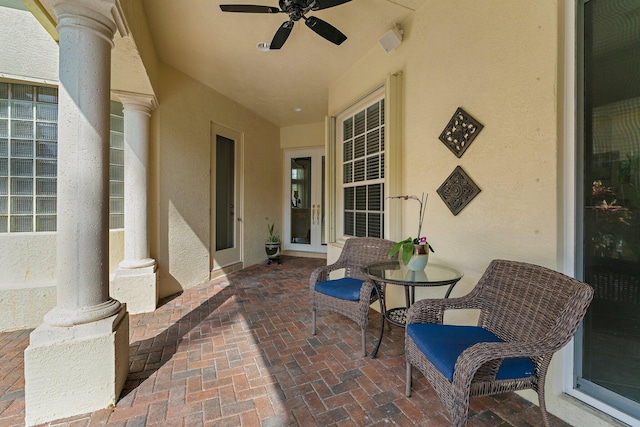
<point x="304" y="217"/>
<point x="226" y="219"/>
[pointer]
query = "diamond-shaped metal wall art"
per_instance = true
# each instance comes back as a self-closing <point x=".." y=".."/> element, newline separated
<point x="458" y="190"/>
<point x="460" y="132"/>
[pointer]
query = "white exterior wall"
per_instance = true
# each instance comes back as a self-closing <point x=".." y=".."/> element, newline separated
<point x="28" y="276"/>
<point x="27" y="260"/>
<point x="37" y="59"/>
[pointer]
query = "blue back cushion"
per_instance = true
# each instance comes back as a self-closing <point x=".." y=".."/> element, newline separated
<point x="346" y="288"/>
<point x="442" y="344"/>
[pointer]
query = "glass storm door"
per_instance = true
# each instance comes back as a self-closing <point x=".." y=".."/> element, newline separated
<point x="304" y="208"/>
<point x="225" y="200"/>
<point x="608" y="345"/>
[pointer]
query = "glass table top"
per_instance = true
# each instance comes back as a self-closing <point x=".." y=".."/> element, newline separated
<point x="396" y="272"/>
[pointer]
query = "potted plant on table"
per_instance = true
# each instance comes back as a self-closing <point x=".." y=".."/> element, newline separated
<point x="414" y="252"/>
<point x="272" y="245"/>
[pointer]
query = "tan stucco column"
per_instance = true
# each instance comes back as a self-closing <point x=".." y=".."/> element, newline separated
<point x="77" y="360"/>
<point x="134" y="282"/>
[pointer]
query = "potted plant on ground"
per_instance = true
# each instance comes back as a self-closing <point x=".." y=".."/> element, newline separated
<point x="414" y="252"/>
<point x="272" y="245"/>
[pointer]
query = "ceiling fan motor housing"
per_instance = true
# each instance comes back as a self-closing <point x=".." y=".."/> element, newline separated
<point x="296" y="8"/>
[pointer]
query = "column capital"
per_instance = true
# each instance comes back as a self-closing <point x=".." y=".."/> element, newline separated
<point x="106" y="12"/>
<point x="137" y="101"/>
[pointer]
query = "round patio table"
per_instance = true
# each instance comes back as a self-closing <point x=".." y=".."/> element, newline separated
<point x="396" y="273"/>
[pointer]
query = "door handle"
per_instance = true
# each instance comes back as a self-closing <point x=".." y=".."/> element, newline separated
<point x="315" y="214"/>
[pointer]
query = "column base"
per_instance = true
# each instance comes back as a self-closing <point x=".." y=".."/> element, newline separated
<point x="75" y="370"/>
<point x="65" y="318"/>
<point x="134" y="264"/>
<point x="137" y="287"/>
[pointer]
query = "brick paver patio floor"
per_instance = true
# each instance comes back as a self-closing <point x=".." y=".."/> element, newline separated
<point x="238" y="351"/>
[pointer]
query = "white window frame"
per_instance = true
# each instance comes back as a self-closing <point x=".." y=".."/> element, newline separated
<point x="355" y="183"/>
<point x="390" y="91"/>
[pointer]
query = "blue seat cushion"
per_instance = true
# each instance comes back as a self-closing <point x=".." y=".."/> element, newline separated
<point x="442" y="344"/>
<point x="346" y="288"/>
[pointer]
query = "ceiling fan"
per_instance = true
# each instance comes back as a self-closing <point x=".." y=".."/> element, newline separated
<point x="296" y="9"/>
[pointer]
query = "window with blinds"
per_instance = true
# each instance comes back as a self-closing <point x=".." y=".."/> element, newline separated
<point x="28" y="159"/>
<point x="363" y="172"/>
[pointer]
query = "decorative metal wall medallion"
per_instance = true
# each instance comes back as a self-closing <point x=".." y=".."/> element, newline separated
<point x="458" y="190"/>
<point x="460" y="132"/>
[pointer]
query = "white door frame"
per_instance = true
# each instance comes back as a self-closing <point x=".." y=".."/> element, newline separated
<point x="235" y="255"/>
<point x="315" y="153"/>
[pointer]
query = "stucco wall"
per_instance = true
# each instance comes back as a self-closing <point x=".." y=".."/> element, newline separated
<point x="134" y="62"/>
<point x="29" y="259"/>
<point x="308" y="135"/>
<point x="181" y="174"/>
<point x="500" y="66"/>
<point x="35" y="60"/>
<point x="499" y="61"/>
<point x="28" y="276"/>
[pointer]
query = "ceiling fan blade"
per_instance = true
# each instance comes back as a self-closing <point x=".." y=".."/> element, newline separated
<point x="326" y="30"/>
<point x="281" y="35"/>
<point x="325" y="4"/>
<point x="248" y="8"/>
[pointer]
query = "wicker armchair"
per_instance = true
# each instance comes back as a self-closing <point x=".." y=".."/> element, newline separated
<point x="527" y="313"/>
<point x="352" y="295"/>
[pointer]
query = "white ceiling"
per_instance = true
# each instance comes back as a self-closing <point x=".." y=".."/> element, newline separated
<point x="219" y="49"/>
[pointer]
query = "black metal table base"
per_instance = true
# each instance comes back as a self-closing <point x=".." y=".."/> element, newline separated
<point x="396" y="316"/>
<point x="382" y="310"/>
